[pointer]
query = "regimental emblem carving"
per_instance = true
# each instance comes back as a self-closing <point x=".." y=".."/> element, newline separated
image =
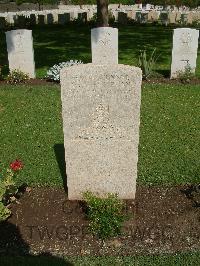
<point x="106" y="39"/>
<point x="101" y="127"/>
<point x="186" y="39"/>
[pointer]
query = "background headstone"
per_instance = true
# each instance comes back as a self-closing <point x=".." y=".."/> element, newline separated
<point x="101" y="117"/>
<point x="172" y="17"/>
<point x="104" y="45"/>
<point x="178" y="17"/>
<point x="184" y="53"/>
<point x="131" y="14"/>
<point x="190" y="18"/>
<point x="20" y="51"/>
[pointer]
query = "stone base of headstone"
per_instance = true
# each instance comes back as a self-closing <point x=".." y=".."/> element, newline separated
<point x="101" y="118"/>
<point x="104" y="42"/>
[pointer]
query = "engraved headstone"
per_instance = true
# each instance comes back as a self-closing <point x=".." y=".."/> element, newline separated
<point x="90" y="15"/>
<point x="172" y="17"/>
<point x="101" y="117"/>
<point x="178" y="17"/>
<point x="153" y="16"/>
<point x="184" y="53"/>
<point x="131" y="14"/>
<point x="190" y="18"/>
<point x="104" y="45"/>
<point x="10" y="19"/>
<point x="73" y="15"/>
<point x="20" y="51"/>
<point x="55" y="17"/>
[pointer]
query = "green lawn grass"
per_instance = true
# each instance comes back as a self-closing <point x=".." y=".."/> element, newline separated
<point x="182" y="259"/>
<point x="54" y="44"/>
<point x="31" y="129"/>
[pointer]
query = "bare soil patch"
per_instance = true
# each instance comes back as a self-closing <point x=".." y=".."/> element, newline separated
<point x="162" y="220"/>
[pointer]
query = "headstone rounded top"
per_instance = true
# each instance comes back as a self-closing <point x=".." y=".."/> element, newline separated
<point x="86" y="69"/>
<point x="104" y="28"/>
<point x="19" y="31"/>
<point x="183" y="29"/>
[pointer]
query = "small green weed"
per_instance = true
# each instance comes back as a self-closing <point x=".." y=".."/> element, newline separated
<point x="105" y="214"/>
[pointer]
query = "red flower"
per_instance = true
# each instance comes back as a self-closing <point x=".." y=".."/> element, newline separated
<point x="16" y="165"/>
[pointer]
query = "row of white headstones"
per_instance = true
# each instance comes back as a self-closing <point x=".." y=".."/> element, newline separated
<point x="122" y="16"/>
<point x="104" y="43"/>
<point x="101" y="110"/>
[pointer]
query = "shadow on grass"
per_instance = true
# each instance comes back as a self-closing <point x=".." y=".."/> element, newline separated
<point x="60" y="158"/>
<point x="164" y="72"/>
<point x="14" y="251"/>
<point x="57" y="43"/>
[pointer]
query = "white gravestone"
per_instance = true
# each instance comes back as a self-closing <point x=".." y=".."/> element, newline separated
<point x="20" y="51"/>
<point x="184" y="53"/>
<point x="104" y="42"/>
<point x="101" y="117"/>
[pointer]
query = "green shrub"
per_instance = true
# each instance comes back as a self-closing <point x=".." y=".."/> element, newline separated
<point x="105" y="214"/>
<point x="147" y="63"/>
<point x="17" y="76"/>
<point x="186" y="75"/>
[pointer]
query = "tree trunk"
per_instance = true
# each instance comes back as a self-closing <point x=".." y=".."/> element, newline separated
<point x="102" y="13"/>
